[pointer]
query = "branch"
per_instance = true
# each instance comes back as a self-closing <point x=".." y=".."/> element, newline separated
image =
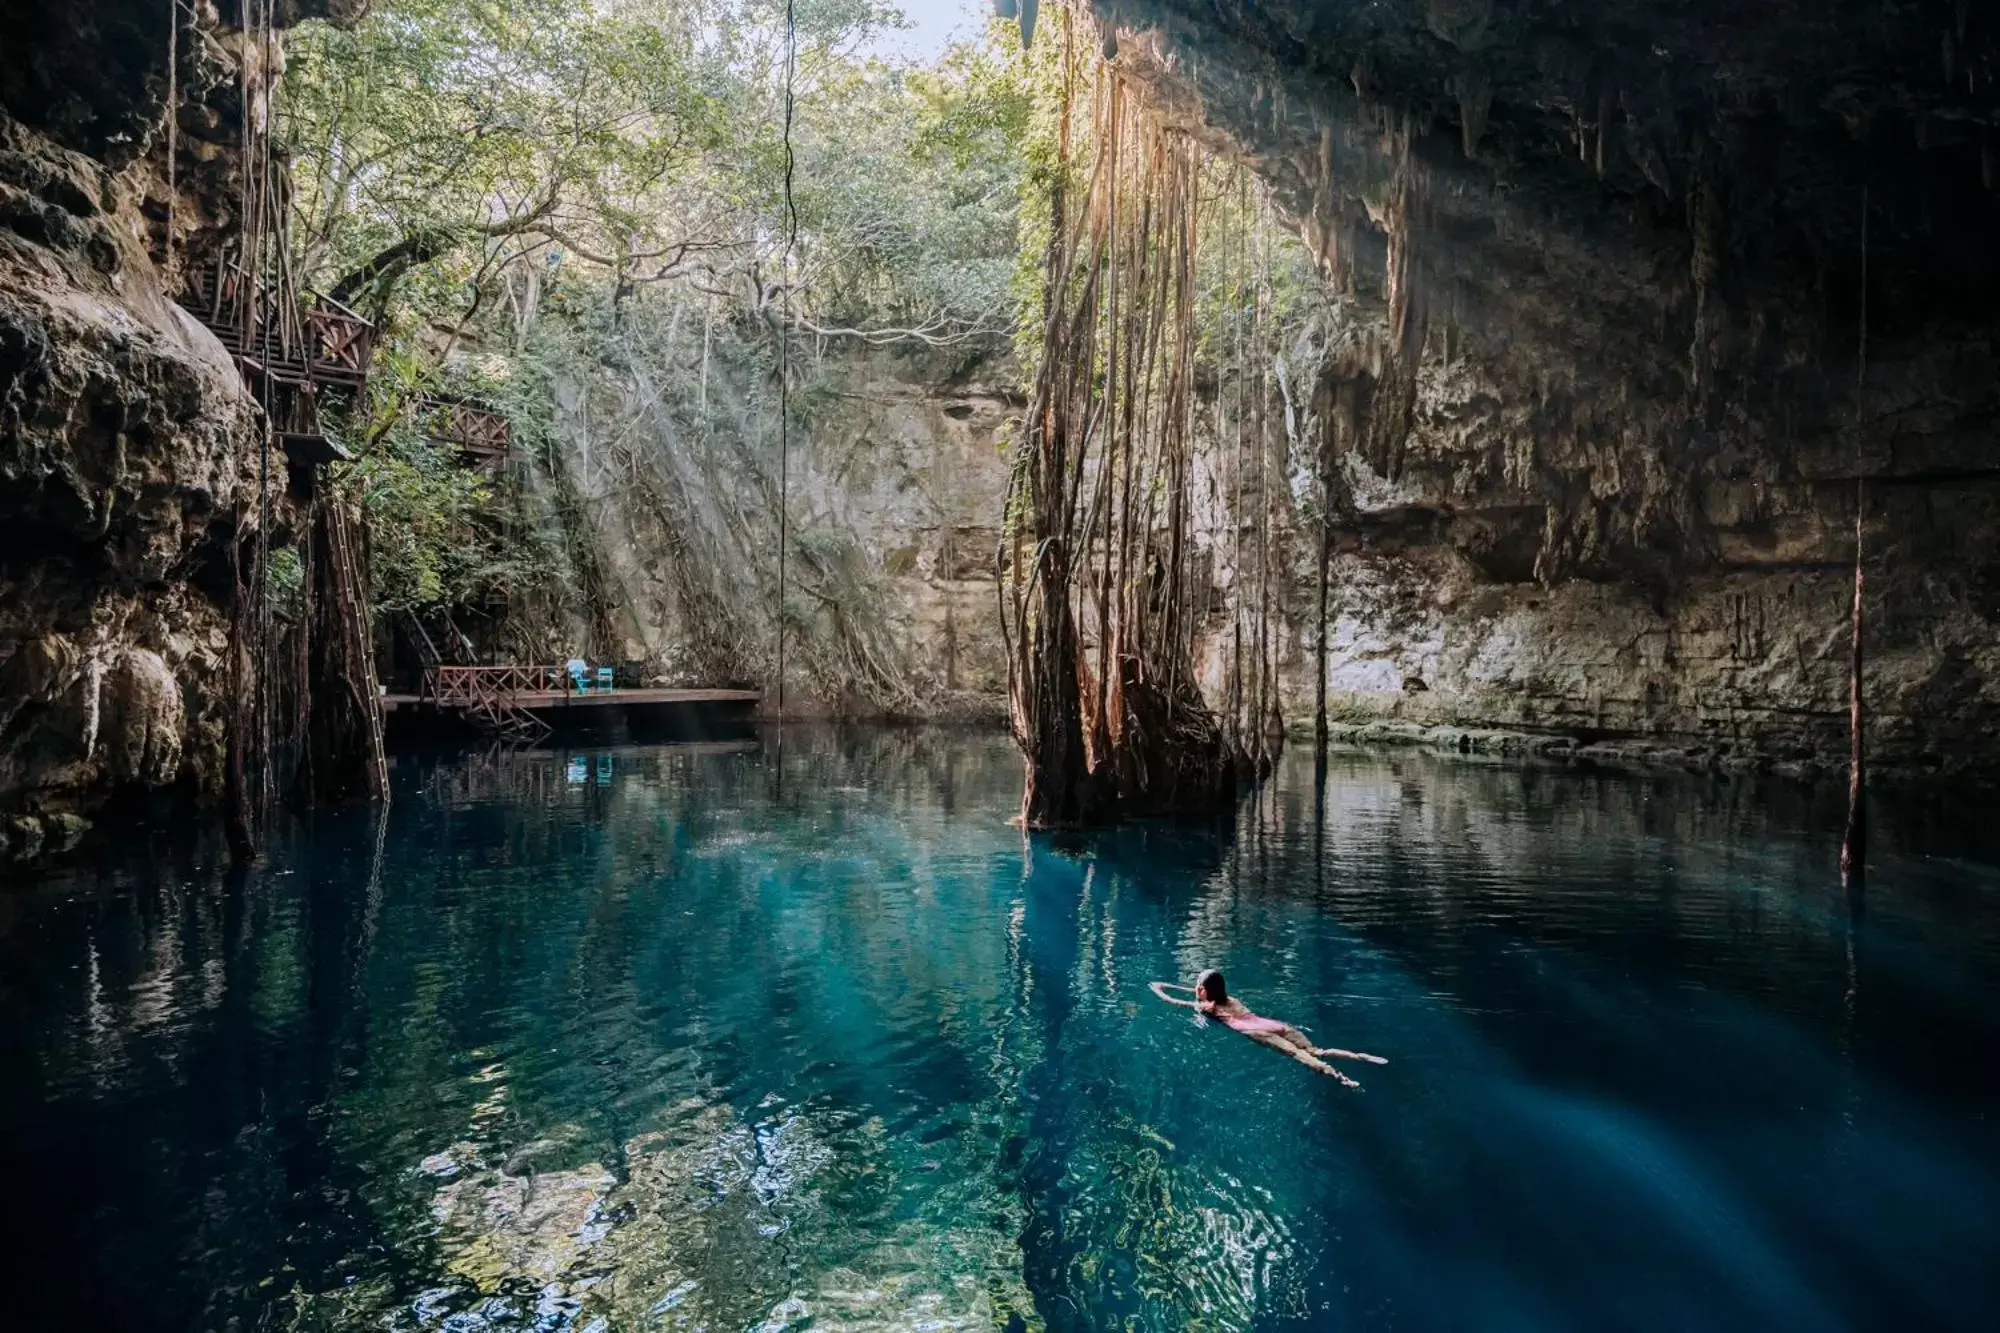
<point x="420" y="247"/>
<point x="570" y="243"/>
<point x="927" y="334"/>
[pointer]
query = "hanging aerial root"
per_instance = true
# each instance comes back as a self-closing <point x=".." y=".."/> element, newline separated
<point x="343" y="737"/>
<point x="1100" y="592"/>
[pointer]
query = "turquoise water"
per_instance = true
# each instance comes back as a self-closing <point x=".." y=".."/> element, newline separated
<point x="700" y="1039"/>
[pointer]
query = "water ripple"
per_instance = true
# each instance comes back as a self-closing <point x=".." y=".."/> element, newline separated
<point x="648" y="1040"/>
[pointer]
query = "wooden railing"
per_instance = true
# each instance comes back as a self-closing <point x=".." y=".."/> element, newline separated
<point x="491" y="696"/>
<point x="317" y="341"/>
<point x="340" y="342"/>
<point x="482" y="435"/>
<point x="471" y="686"/>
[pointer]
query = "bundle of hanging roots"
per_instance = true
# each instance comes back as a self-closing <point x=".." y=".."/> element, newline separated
<point x="1099" y="601"/>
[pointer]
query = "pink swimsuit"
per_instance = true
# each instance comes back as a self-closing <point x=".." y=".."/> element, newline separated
<point x="1252" y="1023"/>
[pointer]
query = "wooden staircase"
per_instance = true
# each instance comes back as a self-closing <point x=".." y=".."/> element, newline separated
<point x="292" y="353"/>
<point x="490" y="697"/>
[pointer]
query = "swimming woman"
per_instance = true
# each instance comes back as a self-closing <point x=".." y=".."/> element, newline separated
<point x="1213" y="1000"/>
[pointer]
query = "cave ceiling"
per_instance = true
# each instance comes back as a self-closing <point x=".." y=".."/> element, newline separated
<point x="1588" y="167"/>
<point x="1647" y="222"/>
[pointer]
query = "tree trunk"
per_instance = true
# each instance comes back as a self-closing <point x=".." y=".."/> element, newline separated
<point x="390" y="263"/>
<point x="1112" y="401"/>
<point x="343" y="755"/>
<point x="1060" y="791"/>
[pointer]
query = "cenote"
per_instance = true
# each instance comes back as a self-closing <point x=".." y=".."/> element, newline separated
<point x="762" y="1037"/>
<point x="1024" y="427"/>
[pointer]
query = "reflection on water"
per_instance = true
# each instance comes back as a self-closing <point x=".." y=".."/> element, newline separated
<point x="652" y="1039"/>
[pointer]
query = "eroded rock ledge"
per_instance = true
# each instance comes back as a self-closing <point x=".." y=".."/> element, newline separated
<point x="128" y="444"/>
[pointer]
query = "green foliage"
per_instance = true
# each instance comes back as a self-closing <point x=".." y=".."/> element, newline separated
<point x="284" y="578"/>
<point x="425" y="513"/>
<point x="441" y="534"/>
<point x="451" y="153"/>
<point x="911" y="186"/>
<point x="574" y="212"/>
<point x="467" y="118"/>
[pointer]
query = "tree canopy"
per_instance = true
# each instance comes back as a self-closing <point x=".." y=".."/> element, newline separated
<point x="605" y="219"/>
<point x="439" y="144"/>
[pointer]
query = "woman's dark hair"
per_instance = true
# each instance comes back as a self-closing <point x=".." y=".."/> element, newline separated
<point x="1209" y="986"/>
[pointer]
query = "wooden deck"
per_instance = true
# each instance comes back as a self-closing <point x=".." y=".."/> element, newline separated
<point x="534" y="700"/>
<point x="525" y="704"/>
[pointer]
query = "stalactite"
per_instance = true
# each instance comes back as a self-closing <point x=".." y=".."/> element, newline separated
<point x="1474" y="90"/>
<point x="1409" y="316"/>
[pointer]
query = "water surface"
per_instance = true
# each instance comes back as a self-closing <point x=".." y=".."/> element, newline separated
<point x="696" y="1039"/>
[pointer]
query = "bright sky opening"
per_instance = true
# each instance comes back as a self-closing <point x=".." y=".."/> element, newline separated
<point x="935" y="26"/>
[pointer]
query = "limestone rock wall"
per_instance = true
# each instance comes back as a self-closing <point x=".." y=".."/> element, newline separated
<point x="916" y="466"/>
<point x="128" y="444"/>
<point x="1599" y="408"/>
<point x="1742" y="654"/>
<point x="896" y="489"/>
<point x="125" y="442"/>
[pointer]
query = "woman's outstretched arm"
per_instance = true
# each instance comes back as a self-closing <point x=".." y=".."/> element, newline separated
<point x="1160" y="988"/>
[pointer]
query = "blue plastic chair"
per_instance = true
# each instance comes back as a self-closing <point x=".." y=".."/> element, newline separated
<point x="607" y="678"/>
<point x="579" y="674"/>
